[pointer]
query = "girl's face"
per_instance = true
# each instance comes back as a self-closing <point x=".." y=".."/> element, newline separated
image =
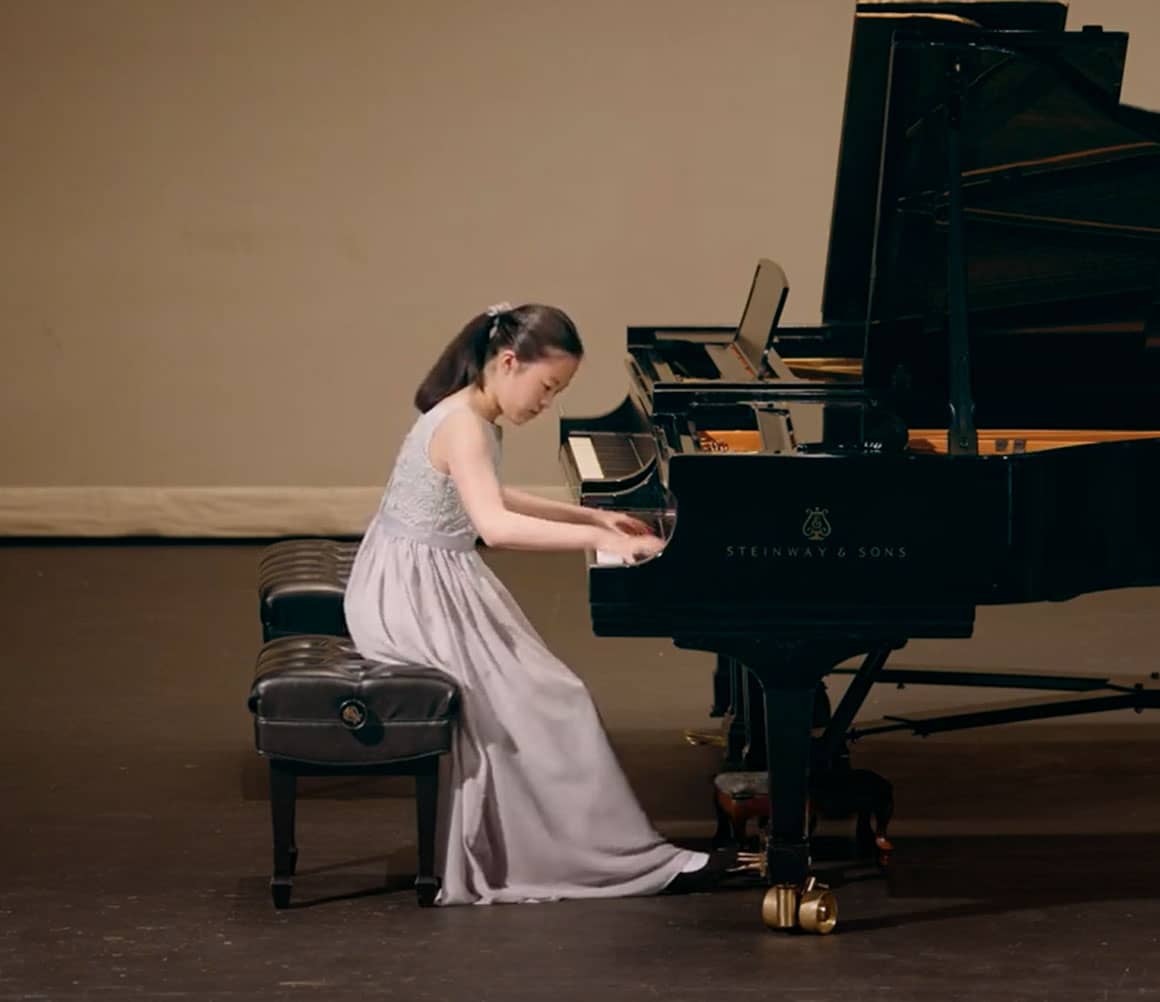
<point x="524" y="389"/>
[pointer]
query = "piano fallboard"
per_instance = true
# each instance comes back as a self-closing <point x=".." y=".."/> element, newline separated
<point x="783" y="543"/>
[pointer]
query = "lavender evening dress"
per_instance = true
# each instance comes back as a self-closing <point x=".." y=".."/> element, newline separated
<point x="533" y="803"/>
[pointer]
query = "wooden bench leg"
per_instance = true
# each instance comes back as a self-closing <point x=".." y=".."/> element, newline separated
<point x="426" y="800"/>
<point x="283" y="796"/>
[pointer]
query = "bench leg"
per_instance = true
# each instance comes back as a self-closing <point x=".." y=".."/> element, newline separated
<point x="426" y="799"/>
<point x="283" y="796"/>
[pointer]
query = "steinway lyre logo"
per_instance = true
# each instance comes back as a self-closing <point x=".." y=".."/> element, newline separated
<point x="817" y="526"/>
<point x="817" y="529"/>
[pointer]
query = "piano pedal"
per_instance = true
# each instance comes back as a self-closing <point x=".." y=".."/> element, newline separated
<point x="750" y="866"/>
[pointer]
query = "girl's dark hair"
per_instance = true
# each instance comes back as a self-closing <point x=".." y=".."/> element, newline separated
<point x="531" y="331"/>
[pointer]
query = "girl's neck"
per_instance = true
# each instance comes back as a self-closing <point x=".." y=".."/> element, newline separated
<point x="479" y="401"/>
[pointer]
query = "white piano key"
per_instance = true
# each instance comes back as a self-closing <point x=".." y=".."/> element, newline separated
<point x="585" y="455"/>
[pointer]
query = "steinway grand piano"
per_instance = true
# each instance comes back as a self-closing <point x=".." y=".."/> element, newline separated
<point x="976" y="420"/>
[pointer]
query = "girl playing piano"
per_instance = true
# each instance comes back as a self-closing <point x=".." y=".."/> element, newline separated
<point x="536" y="806"/>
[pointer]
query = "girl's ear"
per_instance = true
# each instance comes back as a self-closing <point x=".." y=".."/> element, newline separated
<point x="507" y="360"/>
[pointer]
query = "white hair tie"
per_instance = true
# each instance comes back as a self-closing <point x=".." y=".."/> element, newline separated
<point x="495" y="311"/>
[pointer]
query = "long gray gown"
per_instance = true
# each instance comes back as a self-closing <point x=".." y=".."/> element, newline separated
<point x="533" y="803"/>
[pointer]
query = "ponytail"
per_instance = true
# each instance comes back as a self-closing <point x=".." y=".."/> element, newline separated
<point x="460" y="364"/>
<point x="531" y="331"/>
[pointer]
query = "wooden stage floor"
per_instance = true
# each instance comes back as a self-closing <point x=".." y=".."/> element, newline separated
<point x="135" y="838"/>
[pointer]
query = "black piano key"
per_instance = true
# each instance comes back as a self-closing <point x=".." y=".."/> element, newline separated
<point x="618" y="455"/>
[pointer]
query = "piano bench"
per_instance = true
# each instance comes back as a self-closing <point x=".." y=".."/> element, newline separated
<point x="835" y="794"/>
<point x="322" y="710"/>
<point x="301" y="584"/>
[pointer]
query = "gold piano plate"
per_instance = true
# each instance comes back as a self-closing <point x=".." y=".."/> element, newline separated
<point x="729" y="441"/>
<point x="992" y="441"/>
<point x="826" y="369"/>
<point x="1010" y="441"/>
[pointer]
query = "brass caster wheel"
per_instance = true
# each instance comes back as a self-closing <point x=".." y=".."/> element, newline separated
<point x="779" y="906"/>
<point x="812" y="908"/>
<point x="818" y="910"/>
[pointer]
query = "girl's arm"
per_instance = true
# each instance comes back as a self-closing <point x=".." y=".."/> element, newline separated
<point x="538" y="507"/>
<point x="462" y="440"/>
<point x="562" y="511"/>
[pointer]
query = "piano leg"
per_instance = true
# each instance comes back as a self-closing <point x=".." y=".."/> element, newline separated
<point x="788" y="715"/>
<point x="753" y="746"/>
<point x="789" y="672"/>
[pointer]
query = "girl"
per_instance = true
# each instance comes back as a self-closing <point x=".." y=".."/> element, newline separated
<point x="536" y="806"/>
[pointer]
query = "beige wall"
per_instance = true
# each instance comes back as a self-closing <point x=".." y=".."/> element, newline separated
<point x="235" y="234"/>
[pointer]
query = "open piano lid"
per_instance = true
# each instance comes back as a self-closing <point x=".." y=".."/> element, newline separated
<point x="846" y="290"/>
<point x="1061" y="220"/>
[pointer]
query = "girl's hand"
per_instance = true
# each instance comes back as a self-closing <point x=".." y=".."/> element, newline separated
<point x="618" y="521"/>
<point x="628" y="547"/>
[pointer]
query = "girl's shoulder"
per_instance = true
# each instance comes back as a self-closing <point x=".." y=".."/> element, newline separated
<point x="459" y="430"/>
<point x="458" y="420"/>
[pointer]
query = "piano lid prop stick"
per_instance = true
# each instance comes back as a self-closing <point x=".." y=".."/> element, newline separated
<point x="962" y="438"/>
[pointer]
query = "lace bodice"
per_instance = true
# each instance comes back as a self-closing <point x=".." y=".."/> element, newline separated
<point x="422" y="496"/>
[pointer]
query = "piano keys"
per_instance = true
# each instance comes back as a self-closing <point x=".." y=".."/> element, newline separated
<point x="976" y="420"/>
<point x="607" y="456"/>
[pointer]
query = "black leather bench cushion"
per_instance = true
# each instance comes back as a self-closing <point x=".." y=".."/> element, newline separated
<point x="315" y="700"/>
<point x="301" y="583"/>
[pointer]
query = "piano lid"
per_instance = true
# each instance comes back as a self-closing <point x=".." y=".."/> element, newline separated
<point x="846" y="289"/>
<point x="1061" y="223"/>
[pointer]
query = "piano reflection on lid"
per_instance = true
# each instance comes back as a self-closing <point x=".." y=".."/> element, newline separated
<point x="975" y="421"/>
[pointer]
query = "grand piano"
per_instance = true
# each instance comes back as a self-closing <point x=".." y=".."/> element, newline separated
<point x="976" y="420"/>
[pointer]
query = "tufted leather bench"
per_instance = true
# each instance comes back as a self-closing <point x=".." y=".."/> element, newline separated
<point x="301" y="583"/>
<point x="321" y="709"/>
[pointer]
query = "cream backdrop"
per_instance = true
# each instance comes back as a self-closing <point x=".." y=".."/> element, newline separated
<point x="234" y="235"/>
